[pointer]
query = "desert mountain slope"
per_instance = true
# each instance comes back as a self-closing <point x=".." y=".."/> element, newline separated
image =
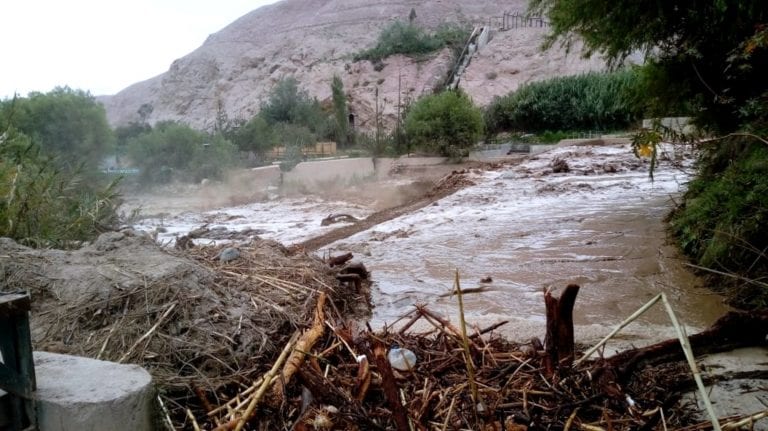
<point x="311" y="40"/>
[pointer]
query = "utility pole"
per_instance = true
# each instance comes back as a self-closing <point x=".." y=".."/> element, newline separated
<point x="398" y="136"/>
<point x="377" y="116"/>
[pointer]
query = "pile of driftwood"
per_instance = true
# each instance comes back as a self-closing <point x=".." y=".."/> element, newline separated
<point x="335" y="374"/>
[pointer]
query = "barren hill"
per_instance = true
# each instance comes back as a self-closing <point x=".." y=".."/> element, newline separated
<point x="311" y="40"/>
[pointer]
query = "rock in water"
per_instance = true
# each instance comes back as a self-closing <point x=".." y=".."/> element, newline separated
<point x="228" y="254"/>
<point x="401" y="359"/>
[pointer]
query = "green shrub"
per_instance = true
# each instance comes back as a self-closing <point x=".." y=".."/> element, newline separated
<point x="446" y="123"/>
<point x="585" y="102"/>
<point x="721" y="224"/>
<point x="410" y="39"/>
<point x="173" y="151"/>
<point x="255" y="136"/>
<point x="43" y="205"/>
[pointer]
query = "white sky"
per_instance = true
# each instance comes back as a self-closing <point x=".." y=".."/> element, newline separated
<point x="102" y="45"/>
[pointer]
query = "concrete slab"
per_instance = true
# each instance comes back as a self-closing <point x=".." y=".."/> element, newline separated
<point x="75" y="393"/>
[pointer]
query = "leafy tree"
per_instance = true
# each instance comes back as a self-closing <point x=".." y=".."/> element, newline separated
<point x="447" y="123"/>
<point x="340" y="112"/>
<point x="294" y="139"/>
<point x="692" y="45"/>
<point x="256" y="136"/>
<point x="176" y="151"/>
<point x="144" y="111"/>
<point x="42" y="205"/>
<point x="289" y="104"/>
<point x="68" y="124"/>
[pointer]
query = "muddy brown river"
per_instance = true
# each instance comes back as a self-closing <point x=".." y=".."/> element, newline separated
<point x="599" y="225"/>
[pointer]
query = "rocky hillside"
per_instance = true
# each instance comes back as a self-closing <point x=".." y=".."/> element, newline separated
<point x="234" y="70"/>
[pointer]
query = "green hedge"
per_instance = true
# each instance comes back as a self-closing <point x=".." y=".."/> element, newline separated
<point x="593" y="101"/>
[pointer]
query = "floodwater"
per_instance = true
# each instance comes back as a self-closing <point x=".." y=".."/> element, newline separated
<point x="599" y="225"/>
<point x="529" y="229"/>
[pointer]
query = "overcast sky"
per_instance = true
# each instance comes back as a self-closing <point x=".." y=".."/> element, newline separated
<point x="103" y="45"/>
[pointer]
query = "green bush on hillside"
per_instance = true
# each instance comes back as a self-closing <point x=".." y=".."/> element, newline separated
<point x="593" y="101"/>
<point x="410" y="39"/>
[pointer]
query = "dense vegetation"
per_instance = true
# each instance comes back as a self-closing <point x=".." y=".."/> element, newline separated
<point x="593" y="101"/>
<point x="411" y="39"/>
<point x="172" y="151"/>
<point x="65" y="123"/>
<point x="51" y="193"/>
<point x="709" y="59"/>
<point x="722" y="222"/>
<point x="446" y="123"/>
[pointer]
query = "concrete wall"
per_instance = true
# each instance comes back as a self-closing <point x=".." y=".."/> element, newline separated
<point x="675" y="124"/>
<point x="315" y="173"/>
<point x="336" y="170"/>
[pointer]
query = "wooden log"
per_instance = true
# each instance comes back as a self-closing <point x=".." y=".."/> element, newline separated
<point x="734" y="330"/>
<point x="389" y="385"/>
<point x="558" y="343"/>
<point x="339" y="260"/>
<point x="363" y="380"/>
<point x="304" y="345"/>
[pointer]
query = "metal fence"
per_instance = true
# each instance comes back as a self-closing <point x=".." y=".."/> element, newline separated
<point x="514" y="20"/>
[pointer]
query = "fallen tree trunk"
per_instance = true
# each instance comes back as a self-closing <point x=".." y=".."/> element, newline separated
<point x="734" y="330"/>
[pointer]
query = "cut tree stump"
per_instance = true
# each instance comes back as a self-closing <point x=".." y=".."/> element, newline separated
<point x="558" y="343"/>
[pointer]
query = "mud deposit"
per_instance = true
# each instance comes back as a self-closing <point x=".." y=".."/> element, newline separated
<point x="600" y="224"/>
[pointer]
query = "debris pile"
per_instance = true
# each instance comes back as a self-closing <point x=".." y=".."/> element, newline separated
<point x="193" y="319"/>
<point x="264" y="339"/>
<point x="338" y="376"/>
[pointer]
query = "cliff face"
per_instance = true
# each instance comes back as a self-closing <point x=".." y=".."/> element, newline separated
<point x="311" y="40"/>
